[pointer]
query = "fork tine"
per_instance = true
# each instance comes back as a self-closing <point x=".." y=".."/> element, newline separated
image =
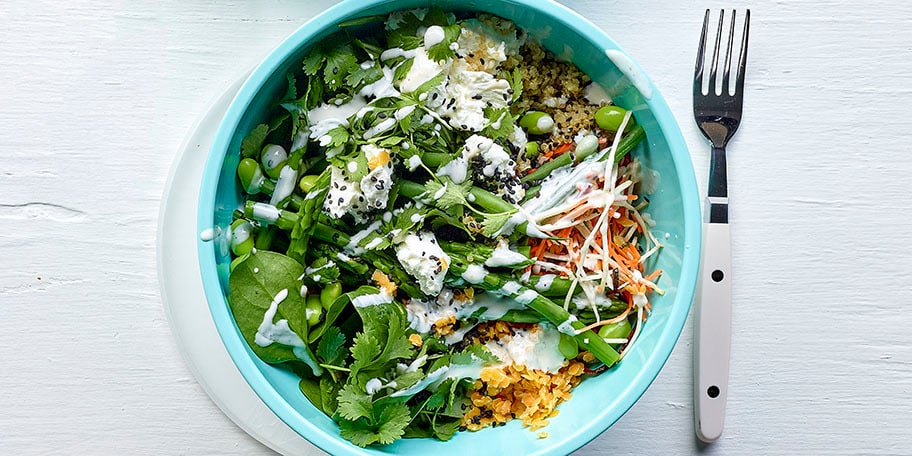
<point x="728" y="55"/>
<point x="715" y="59"/>
<point x="742" y="60"/>
<point x="698" y="68"/>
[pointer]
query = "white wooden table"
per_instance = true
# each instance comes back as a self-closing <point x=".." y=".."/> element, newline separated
<point x="96" y="97"/>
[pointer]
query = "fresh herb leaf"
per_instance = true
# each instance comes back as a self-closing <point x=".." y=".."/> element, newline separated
<point x="387" y="424"/>
<point x="492" y="223"/>
<point x="516" y="83"/>
<point x="332" y="60"/>
<point x="500" y="123"/>
<point x="363" y="76"/>
<point x="252" y="144"/>
<point x="393" y="419"/>
<point x="442" y="50"/>
<point x="446" y="193"/>
<point x="331" y="349"/>
<point x="354" y="403"/>
<point x="337" y="137"/>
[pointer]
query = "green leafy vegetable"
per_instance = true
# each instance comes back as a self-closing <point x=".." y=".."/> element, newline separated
<point x="252" y="144"/>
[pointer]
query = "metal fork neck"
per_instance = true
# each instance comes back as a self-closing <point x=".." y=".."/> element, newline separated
<point x="717" y="193"/>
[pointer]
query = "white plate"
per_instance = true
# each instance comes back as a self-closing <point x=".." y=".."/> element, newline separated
<point x="185" y="302"/>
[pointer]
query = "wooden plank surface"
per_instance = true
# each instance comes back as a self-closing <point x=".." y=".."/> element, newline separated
<point x="95" y="98"/>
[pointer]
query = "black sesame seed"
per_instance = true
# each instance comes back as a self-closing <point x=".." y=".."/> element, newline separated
<point x="382" y="115"/>
<point x="482" y="61"/>
<point x="341" y="200"/>
<point x="477" y="97"/>
<point x="336" y="70"/>
<point x="343" y="188"/>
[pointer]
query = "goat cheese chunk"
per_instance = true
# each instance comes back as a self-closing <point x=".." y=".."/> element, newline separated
<point x="422" y="257"/>
<point x="358" y="198"/>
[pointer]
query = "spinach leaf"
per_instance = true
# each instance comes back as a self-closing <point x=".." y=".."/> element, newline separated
<point x="253" y="285"/>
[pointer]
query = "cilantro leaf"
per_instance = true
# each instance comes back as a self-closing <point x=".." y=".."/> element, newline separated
<point x="337" y="136"/>
<point x="363" y="76"/>
<point x="447" y="193"/>
<point x="442" y="50"/>
<point x="516" y="83"/>
<point x="446" y="429"/>
<point x="291" y="92"/>
<point x="492" y="223"/>
<point x="429" y="84"/>
<point x="359" y="432"/>
<point x="365" y="350"/>
<point x="387" y="424"/>
<point x="393" y="419"/>
<point x="252" y="144"/>
<point x="354" y="403"/>
<point x="334" y="58"/>
<point x="500" y="123"/>
<point x="330" y="349"/>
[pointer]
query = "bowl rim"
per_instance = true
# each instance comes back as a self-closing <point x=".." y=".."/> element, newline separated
<point x="311" y="29"/>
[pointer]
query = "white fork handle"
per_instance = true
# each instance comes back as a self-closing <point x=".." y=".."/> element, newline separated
<point x="713" y="332"/>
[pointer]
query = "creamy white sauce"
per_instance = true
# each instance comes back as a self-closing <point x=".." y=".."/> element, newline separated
<point x="433" y="36"/>
<point x="328" y="116"/>
<point x="438" y="376"/>
<point x="373" y="299"/>
<point x="279" y="332"/>
<point x="474" y="274"/>
<point x="422" y="70"/>
<point x="535" y="349"/>
<point x="381" y="88"/>
<point x="544" y="282"/>
<point x="381" y="127"/>
<point x="265" y="212"/>
<point x="373" y="385"/>
<point x="285" y="185"/>
<point x="503" y="256"/>
<point x="414" y="162"/>
<point x="207" y="235"/>
<point x="356" y="239"/>
<point x="511" y="287"/>
<point x="567" y="326"/>
<point x="526" y="297"/>
<point x="456" y="169"/>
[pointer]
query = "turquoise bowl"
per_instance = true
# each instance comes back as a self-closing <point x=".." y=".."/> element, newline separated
<point x="598" y="402"/>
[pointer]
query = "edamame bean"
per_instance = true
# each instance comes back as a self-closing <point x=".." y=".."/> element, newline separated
<point x="568" y="346"/>
<point x="273" y="158"/>
<point x="307" y="182"/>
<point x="329" y="294"/>
<point x="531" y="149"/>
<point x="619" y="330"/>
<point x="537" y="122"/>
<point x="250" y="175"/>
<point x="585" y="146"/>
<point x="242" y="241"/>
<point x="313" y="309"/>
<point x="610" y="118"/>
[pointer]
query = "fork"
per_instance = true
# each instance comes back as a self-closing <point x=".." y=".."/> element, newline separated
<point x="718" y="116"/>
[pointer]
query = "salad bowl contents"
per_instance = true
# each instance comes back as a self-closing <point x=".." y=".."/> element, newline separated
<point x="442" y="226"/>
